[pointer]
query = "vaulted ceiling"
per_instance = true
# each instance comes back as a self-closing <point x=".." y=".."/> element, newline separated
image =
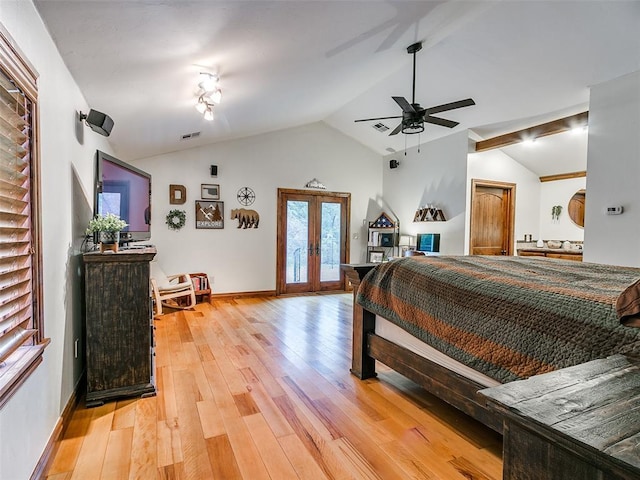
<point x="288" y="63"/>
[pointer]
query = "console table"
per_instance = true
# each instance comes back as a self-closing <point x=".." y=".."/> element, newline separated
<point x="118" y="325"/>
<point x="580" y="422"/>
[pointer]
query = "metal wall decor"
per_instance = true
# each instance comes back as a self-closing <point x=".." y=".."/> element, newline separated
<point x="246" y="196"/>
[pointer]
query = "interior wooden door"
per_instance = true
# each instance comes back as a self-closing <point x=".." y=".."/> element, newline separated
<point x="492" y="218"/>
<point x="313" y="240"/>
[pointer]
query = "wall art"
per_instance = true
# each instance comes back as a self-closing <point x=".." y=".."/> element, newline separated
<point x="177" y="194"/>
<point x="210" y="191"/>
<point x="246" y="218"/>
<point x="209" y="214"/>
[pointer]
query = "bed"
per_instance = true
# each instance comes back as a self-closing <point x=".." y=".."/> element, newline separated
<point x="456" y="325"/>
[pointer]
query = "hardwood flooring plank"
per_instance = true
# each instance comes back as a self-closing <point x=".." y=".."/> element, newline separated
<point x="246" y="454"/>
<point x="60" y="476"/>
<point x="116" y="459"/>
<point x="210" y="419"/>
<point x="194" y="450"/>
<point x="314" y="443"/>
<point x="245" y="404"/>
<point x="222" y="459"/>
<point x="300" y="458"/>
<point x="124" y="414"/>
<point x="269" y="409"/>
<point x="144" y="454"/>
<point x="273" y="456"/>
<point x="171" y="472"/>
<point x="94" y="446"/>
<point x="73" y="438"/>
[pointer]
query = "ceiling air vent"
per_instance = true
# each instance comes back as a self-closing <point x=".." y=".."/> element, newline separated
<point x="189" y="136"/>
<point x="381" y="127"/>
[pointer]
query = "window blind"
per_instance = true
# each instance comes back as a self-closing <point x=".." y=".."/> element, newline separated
<point x="16" y="320"/>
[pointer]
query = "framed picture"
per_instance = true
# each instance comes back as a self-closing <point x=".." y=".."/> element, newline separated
<point x="386" y="239"/>
<point x="376" y="256"/>
<point x="209" y="214"/>
<point x="209" y="191"/>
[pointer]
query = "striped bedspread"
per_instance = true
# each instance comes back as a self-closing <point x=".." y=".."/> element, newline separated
<point x="509" y="317"/>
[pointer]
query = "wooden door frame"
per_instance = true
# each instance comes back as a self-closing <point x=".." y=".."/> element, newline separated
<point x="281" y="257"/>
<point x="510" y="188"/>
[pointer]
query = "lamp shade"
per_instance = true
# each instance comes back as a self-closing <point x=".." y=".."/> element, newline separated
<point x="405" y="240"/>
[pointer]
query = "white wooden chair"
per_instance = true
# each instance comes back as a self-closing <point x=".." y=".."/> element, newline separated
<point x="166" y="287"/>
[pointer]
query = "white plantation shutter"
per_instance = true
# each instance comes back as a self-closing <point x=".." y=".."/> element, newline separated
<point x="15" y="219"/>
<point x="21" y="338"/>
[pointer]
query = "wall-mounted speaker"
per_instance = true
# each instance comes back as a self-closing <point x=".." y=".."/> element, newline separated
<point x="98" y="121"/>
<point x="214" y="170"/>
<point x="393" y="163"/>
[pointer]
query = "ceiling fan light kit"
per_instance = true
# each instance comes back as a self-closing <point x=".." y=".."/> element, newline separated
<point x="209" y="94"/>
<point x="415" y="116"/>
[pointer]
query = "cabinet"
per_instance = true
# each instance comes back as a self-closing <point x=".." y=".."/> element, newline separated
<point x="119" y="336"/>
<point x="382" y="241"/>
<point x="576" y="256"/>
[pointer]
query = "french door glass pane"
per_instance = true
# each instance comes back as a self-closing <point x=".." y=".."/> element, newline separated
<point x="330" y="242"/>
<point x="297" y="241"/>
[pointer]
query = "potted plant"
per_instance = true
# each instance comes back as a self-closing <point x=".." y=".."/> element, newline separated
<point x="108" y="229"/>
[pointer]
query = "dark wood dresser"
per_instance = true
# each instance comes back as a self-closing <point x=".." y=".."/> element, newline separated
<point x="118" y="325"/>
<point x="577" y="423"/>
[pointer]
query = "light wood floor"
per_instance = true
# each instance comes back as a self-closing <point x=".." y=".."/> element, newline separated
<point x="260" y="389"/>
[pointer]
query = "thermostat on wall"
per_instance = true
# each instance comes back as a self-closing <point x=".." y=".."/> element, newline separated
<point x="614" y="210"/>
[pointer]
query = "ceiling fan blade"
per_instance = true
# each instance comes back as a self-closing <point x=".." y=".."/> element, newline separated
<point x="440" y="121"/>
<point x="404" y="104"/>
<point x="379" y="118"/>
<point x="396" y="130"/>
<point x="450" y="106"/>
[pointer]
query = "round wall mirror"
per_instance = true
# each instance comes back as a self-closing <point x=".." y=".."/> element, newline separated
<point x="576" y="208"/>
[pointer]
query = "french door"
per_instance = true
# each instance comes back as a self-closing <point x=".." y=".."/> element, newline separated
<point x="313" y="240"/>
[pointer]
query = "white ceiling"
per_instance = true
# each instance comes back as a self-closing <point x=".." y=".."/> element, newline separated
<point x="288" y="63"/>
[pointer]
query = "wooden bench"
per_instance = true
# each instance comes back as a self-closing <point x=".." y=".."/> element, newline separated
<point x="579" y="423"/>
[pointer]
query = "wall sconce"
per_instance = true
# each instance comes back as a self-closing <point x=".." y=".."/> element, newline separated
<point x="98" y="122"/>
<point x="209" y="94"/>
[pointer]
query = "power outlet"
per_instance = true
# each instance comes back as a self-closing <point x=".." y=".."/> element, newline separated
<point x="75" y="348"/>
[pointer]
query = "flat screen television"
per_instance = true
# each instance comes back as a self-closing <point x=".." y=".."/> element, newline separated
<point x="124" y="190"/>
<point x="428" y="242"/>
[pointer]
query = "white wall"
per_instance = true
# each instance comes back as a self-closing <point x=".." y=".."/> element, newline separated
<point x="559" y="192"/>
<point x="497" y="166"/>
<point x="436" y="175"/>
<point x="28" y="419"/>
<point x="239" y="260"/>
<point x="613" y="163"/>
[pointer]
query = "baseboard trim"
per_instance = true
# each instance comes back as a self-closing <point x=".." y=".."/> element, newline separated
<point x="52" y="445"/>
<point x="260" y="293"/>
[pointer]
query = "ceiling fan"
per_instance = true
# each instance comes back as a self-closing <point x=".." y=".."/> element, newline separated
<point x="413" y="115"/>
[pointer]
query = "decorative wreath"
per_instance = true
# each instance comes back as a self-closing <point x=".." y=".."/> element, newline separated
<point x="176" y="219"/>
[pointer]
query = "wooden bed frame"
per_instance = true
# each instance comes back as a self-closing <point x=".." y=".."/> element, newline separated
<point x="368" y="347"/>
